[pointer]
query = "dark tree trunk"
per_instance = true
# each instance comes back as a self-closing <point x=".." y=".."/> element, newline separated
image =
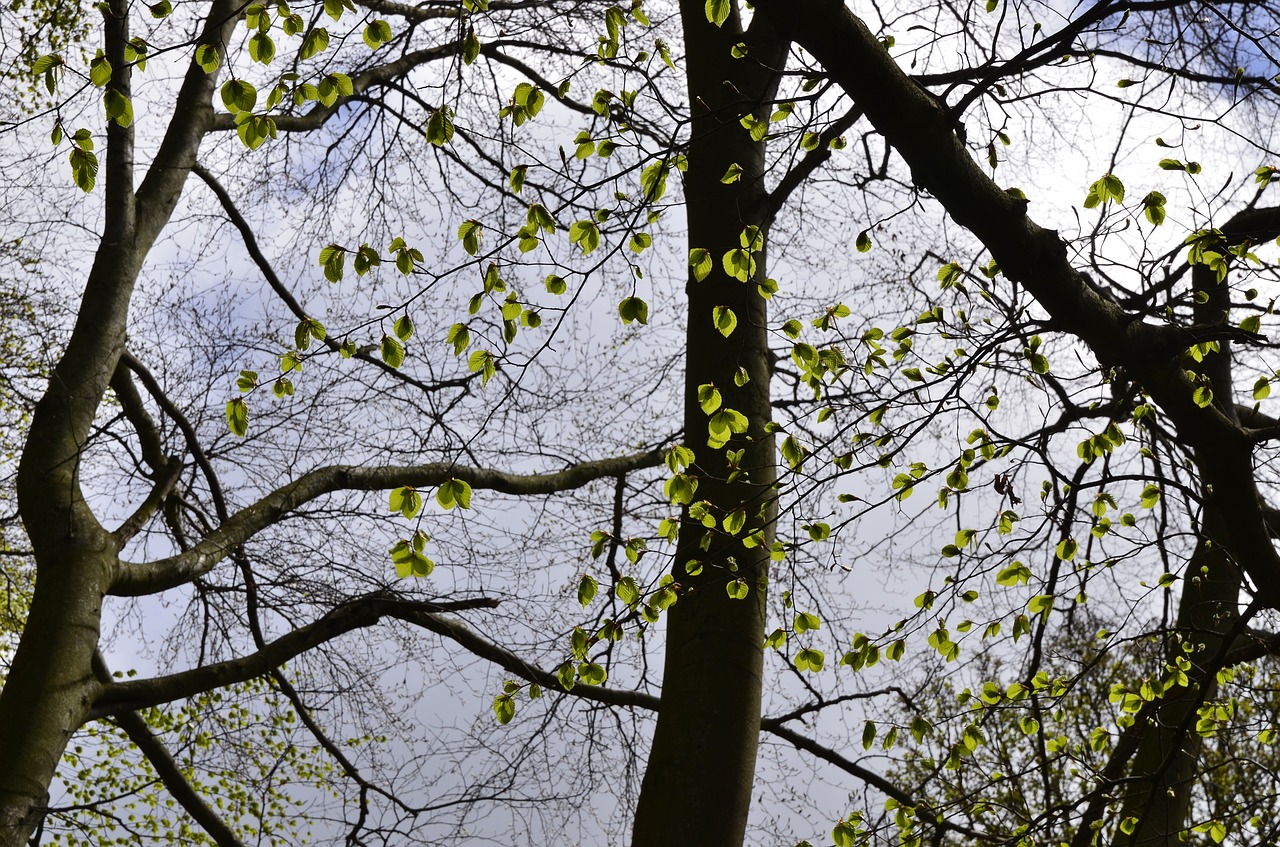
<point x="697" y="787"/>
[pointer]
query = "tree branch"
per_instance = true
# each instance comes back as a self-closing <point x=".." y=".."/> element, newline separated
<point x="813" y="160"/>
<point x="291" y="303"/>
<point x="167" y="769"/>
<point x="134" y="579"/>
<point x="512" y="663"/>
<point x="365" y="80"/>
<point x="920" y="130"/>
<point x="358" y="614"/>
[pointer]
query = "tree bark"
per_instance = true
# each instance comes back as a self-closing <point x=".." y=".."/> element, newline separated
<point x="1162" y="774"/>
<point x="697" y="785"/>
<point x="51" y="684"/>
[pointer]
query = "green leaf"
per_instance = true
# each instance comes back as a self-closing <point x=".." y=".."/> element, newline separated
<point x="806" y="621"/>
<point x="718" y="11"/>
<point x="440" y="129"/>
<point x="1150" y="496"/>
<point x="591" y="673"/>
<point x="470" y="47"/>
<point x="628" y="591"/>
<point x="724" y="319"/>
<point x="735" y="521"/>
<point x="470" y="233"/>
<point x="392" y="351"/>
<point x="723" y="425"/>
<point x="708" y="399"/>
<point x="484" y="363"/>
<point x="586" y="234"/>
<point x="208" y="57"/>
<point x="739" y="264"/>
<point x="239" y="96"/>
<point x="587" y="588"/>
<point x="845" y="834"/>
<point x="868" y="734"/>
<point x="261" y="48"/>
<point x="1153" y="205"/>
<point x="737" y="589"/>
<point x="653" y="181"/>
<point x="377" y="33"/>
<point x="504" y="706"/>
<point x="314" y="42"/>
<point x="733" y="174"/>
<point x="238" y="417"/>
<point x="633" y="309"/>
<point x="408" y="557"/>
<point x="403" y="328"/>
<point x="454" y="492"/>
<point x="701" y="262"/>
<point x="864" y="242"/>
<point x="1104" y="190"/>
<point x="118" y="107"/>
<point x="332" y="259"/>
<point x="84" y="168"/>
<point x="810" y="659"/>
<point x="460" y="337"/>
<point x="518" y="174"/>
<point x="100" y="70"/>
<point x="405" y="500"/>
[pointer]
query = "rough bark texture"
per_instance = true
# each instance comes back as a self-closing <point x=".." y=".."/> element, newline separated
<point x="697" y="787"/>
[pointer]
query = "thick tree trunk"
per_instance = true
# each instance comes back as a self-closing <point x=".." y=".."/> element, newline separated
<point x="51" y="684"/>
<point x="697" y="787"/>
<point x="1164" y="767"/>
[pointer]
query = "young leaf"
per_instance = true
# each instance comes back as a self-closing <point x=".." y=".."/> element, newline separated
<point x="392" y="351"/>
<point x="633" y="309"/>
<point x="724" y="319"/>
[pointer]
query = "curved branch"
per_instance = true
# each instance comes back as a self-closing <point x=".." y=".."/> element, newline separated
<point x="920" y="130"/>
<point x="135" y="579"/>
<point x="364" y="612"/>
<point x="291" y="303"/>
<point x="374" y="77"/>
<point x="517" y="666"/>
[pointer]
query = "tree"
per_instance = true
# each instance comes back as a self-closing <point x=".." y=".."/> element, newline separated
<point x="770" y="94"/>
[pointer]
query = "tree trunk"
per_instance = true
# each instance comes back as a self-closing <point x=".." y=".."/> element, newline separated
<point x="1164" y="768"/>
<point x="697" y="786"/>
<point x="51" y="684"/>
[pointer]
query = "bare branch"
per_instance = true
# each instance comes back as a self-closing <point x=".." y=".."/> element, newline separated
<point x="358" y="614"/>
